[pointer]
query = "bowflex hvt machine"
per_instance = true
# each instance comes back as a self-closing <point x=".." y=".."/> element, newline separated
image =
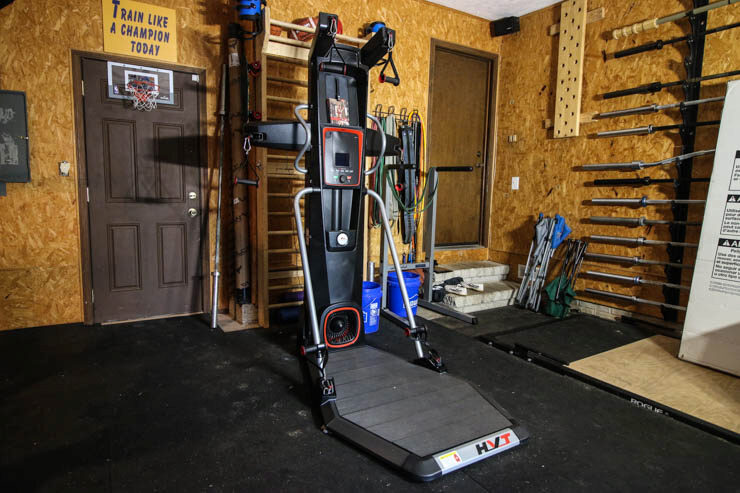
<point x="412" y="415"/>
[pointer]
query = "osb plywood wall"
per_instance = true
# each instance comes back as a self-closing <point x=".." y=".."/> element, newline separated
<point x="416" y="23"/>
<point x="40" y="273"/>
<point x="40" y="276"/>
<point x="545" y="165"/>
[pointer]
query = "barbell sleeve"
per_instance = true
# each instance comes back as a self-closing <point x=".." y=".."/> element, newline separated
<point x="633" y="299"/>
<point x="636" y="280"/>
<point x="627" y="131"/>
<point x="604" y="257"/>
<point x="633" y="165"/>
<point x="644" y="201"/>
<point x="641" y="241"/>
<point x="638" y="221"/>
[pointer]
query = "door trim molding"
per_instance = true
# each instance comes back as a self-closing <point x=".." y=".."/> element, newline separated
<point x="81" y="170"/>
<point x="491" y="137"/>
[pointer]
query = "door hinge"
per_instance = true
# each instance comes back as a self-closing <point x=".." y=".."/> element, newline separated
<point x="92" y="296"/>
<point x="87" y="194"/>
<point x="82" y="83"/>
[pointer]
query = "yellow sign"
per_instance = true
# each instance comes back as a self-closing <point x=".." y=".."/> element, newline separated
<point x="140" y="29"/>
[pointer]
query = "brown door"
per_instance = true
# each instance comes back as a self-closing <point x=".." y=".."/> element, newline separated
<point x="458" y="136"/>
<point x="144" y="193"/>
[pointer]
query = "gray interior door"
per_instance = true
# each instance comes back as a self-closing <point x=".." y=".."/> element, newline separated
<point x="144" y="187"/>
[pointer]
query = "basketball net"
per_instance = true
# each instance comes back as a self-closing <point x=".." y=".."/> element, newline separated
<point x="144" y="94"/>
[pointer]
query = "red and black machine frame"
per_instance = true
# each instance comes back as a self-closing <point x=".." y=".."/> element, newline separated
<point x="335" y="141"/>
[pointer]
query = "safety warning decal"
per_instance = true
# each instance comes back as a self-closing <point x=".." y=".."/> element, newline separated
<point x="726" y="267"/>
<point x="450" y="460"/>
<point x="731" y="216"/>
<point x="735" y="176"/>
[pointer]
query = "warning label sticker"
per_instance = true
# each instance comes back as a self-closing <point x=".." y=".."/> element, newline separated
<point x="727" y="260"/>
<point x="450" y="460"/>
<point x="731" y="217"/>
<point x="735" y="177"/>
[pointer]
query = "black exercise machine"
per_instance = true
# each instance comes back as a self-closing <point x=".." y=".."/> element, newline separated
<point x="412" y="415"/>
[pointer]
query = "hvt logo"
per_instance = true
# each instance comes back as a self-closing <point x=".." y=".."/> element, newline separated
<point x="489" y="446"/>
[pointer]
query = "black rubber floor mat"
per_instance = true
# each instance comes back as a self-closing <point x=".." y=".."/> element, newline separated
<point x="572" y="339"/>
<point x="173" y="405"/>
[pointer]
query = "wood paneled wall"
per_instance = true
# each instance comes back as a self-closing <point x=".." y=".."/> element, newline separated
<point x="40" y="279"/>
<point x="416" y="23"/>
<point x="40" y="273"/>
<point x="545" y="165"/>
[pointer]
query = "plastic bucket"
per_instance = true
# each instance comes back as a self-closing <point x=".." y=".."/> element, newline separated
<point x="395" y="300"/>
<point x="290" y="314"/>
<point x="371" y="295"/>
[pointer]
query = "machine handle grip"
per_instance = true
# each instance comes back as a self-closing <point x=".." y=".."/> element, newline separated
<point x="382" y="145"/>
<point x="393" y="80"/>
<point x="307" y="143"/>
<point x="242" y="181"/>
<point x="446" y="169"/>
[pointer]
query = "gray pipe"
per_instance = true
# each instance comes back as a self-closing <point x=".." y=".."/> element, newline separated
<point x="216" y="258"/>
<point x="397" y="265"/>
<point x="306" y="143"/>
<point x="308" y="286"/>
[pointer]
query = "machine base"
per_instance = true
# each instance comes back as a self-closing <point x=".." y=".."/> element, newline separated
<point x="425" y="423"/>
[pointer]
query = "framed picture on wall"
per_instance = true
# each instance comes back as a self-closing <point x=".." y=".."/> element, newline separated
<point x="13" y="137"/>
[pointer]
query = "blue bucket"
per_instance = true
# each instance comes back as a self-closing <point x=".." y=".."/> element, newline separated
<point x="290" y="314"/>
<point x="395" y="300"/>
<point x="371" y="295"/>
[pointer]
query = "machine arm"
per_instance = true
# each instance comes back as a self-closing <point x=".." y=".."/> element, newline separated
<point x="290" y="136"/>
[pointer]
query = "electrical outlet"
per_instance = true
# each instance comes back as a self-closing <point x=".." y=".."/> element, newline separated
<point x="520" y="271"/>
<point x="515" y="183"/>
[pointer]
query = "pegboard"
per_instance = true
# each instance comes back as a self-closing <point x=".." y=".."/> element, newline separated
<point x="570" y="68"/>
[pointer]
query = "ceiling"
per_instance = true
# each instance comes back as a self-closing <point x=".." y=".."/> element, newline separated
<point x="496" y="9"/>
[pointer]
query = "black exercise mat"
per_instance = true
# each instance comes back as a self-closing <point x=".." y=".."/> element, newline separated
<point x="574" y="338"/>
<point x="171" y="405"/>
<point x="495" y="321"/>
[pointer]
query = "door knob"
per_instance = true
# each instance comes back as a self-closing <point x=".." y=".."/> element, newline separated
<point x="192" y="212"/>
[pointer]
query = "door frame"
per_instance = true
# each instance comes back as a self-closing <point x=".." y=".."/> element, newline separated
<point x="81" y="170"/>
<point x="491" y="143"/>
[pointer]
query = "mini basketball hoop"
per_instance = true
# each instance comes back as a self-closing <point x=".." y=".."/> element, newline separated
<point x="144" y="94"/>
